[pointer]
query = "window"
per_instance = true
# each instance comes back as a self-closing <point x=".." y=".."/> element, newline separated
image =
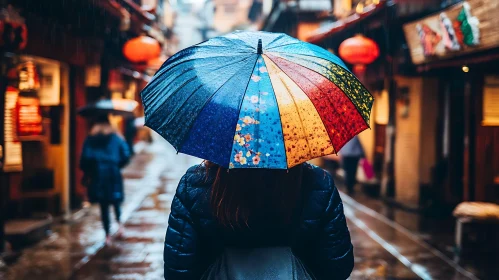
<point x="491" y="101"/>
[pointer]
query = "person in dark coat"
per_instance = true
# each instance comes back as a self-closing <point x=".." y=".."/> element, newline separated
<point x="214" y="209"/>
<point x="351" y="154"/>
<point x="104" y="154"/>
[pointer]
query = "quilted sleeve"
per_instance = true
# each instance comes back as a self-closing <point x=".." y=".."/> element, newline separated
<point x="335" y="247"/>
<point x="180" y="259"/>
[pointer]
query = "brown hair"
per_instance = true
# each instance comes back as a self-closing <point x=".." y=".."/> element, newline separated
<point x="239" y="195"/>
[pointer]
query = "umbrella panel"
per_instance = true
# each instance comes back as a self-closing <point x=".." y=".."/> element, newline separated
<point x="339" y="115"/>
<point x="258" y="137"/>
<point x="211" y="133"/>
<point x="188" y="98"/>
<point x="343" y="79"/>
<point x="305" y="136"/>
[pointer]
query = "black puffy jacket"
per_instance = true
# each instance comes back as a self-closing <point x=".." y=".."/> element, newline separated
<point x="320" y="239"/>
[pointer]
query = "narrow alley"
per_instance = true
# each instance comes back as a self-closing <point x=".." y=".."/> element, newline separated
<point x="383" y="250"/>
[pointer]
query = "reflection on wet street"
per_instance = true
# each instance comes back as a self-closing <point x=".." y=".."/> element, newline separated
<point x="139" y="253"/>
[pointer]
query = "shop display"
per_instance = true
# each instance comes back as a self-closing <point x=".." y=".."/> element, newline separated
<point x="29" y="119"/>
<point x="13" y="159"/>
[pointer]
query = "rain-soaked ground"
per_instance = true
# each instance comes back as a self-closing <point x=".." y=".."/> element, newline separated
<point x="383" y="249"/>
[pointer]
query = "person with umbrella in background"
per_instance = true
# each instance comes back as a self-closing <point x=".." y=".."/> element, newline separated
<point x="104" y="154"/>
<point x="256" y="106"/>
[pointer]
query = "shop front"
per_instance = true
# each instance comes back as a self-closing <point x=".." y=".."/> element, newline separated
<point x="36" y="136"/>
<point x="456" y="53"/>
<point x="55" y="64"/>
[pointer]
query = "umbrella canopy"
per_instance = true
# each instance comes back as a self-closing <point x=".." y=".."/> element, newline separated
<point x="122" y="107"/>
<point x="256" y="99"/>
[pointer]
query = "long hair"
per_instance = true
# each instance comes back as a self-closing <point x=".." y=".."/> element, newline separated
<point x="240" y="195"/>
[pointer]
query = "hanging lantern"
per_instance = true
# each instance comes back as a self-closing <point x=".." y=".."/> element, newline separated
<point x="141" y="49"/>
<point x="359" y="51"/>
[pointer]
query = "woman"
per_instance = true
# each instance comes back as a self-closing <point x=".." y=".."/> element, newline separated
<point x="215" y="209"/>
<point x="104" y="154"/>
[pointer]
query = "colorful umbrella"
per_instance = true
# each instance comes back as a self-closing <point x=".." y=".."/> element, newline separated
<point x="256" y="100"/>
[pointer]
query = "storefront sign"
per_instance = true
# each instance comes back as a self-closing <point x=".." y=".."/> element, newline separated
<point x="29" y="118"/>
<point x="464" y="28"/>
<point x="13" y="159"/>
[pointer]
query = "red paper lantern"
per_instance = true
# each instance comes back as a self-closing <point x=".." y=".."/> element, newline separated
<point x="141" y="49"/>
<point x="359" y="51"/>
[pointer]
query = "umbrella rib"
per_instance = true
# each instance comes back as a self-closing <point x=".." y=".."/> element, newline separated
<point x="207" y="101"/>
<point x="276" y="39"/>
<point x="330" y="140"/>
<point x="316" y="57"/>
<point x="185" y="83"/>
<point x="161" y="71"/>
<point x="295" y="105"/>
<point x="280" y="119"/>
<point x="293" y="43"/>
<point x="154" y="98"/>
<point x="345" y="81"/>
<point x="242" y="99"/>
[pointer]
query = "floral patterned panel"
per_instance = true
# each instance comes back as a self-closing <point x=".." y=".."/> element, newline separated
<point x="258" y="140"/>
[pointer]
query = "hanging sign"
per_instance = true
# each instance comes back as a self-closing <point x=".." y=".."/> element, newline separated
<point x="13" y="156"/>
<point x="29" y="117"/>
<point x="464" y="28"/>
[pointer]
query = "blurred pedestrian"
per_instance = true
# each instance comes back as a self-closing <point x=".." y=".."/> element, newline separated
<point x="104" y="154"/>
<point x="351" y="154"/>
<point x="215" y="211"/>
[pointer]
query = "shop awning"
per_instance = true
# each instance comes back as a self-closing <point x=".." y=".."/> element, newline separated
<point x="141" y="21"/>
<point x="329" y="29"/>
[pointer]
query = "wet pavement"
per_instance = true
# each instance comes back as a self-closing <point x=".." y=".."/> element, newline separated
<point x="435" y="227"/>
<point x="139" y="253"/>
<point x="415" y="254"/>
<point x="71" y="245"/>
<point x="383" y="249"/>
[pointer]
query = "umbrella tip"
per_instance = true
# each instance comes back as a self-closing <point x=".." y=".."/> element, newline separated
<point x="259" y="49"/>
